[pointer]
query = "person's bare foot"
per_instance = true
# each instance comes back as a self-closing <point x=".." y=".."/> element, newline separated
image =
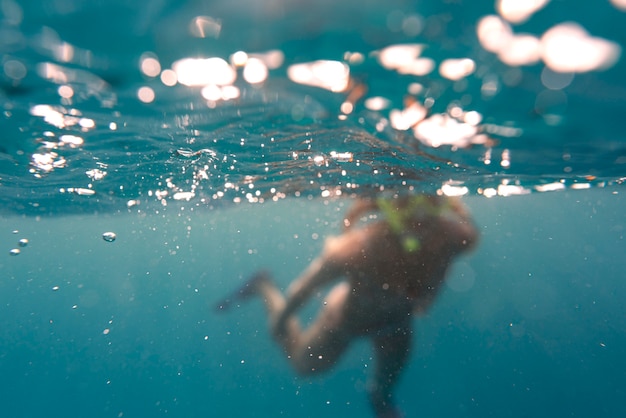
<point x="249" y="289"/>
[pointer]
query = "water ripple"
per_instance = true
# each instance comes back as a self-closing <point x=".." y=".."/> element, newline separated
<point x="88" y="131"/>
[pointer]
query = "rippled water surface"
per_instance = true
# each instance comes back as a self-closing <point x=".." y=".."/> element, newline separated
<point x="154" y="154"/>
<point x="272" y="102"/>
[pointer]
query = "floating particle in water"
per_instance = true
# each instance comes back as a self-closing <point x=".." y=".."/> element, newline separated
<point x="23" y="242"/>
<point x="15" y="251"/>
<point x="109" y="236"/>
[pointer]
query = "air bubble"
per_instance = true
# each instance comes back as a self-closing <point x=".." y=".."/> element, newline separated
<point x="109" y="236"/>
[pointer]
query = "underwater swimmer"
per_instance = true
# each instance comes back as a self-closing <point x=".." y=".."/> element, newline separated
<point x="390" y="268"/>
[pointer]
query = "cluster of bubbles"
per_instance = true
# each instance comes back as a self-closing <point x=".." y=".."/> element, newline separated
<point x="23" y="242"/>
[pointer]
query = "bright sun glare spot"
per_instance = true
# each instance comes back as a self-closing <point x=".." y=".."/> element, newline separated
<point x="52" y="116"/>
<point x="397" y="56"/>
<point x="511" y="190"/>
<point x="494" y="34"/>
<point x="405" y="59"/>
<point x="472" y="117"/>
<point x="419" y="67"/>
<point x="568" y="48"/>
<point x="456" y="69"/>
<point x="441" y="129"/>
<point x="565" y="48"/>
<point x="255" y="71"/>
<point x="403" y="120"/>
<point x="150" y="65"/>
<point x="145" y="94"/>
<point x="204" y="71"/>
<point x="550" y="187"/>
<point x="521" y="50"/>
<point x="72" y="141"/>
<point x="96" y="174"/>
<point x="239" y="58"/>
<point x="169" y="78"/>
<point x="326" y="74"/>
<point x="184" y="196"/>
<point x="214" y="93"/>
<point x="230" y="92"/>
<point x="505" y="161"/>
<point x="86" y="123"/>
<point x="519" y="11"/>
<point x="451" y="190"/>
<point x="65" y="91"/>
<point x="377" y="103"/>
<point x="47" y="162"/>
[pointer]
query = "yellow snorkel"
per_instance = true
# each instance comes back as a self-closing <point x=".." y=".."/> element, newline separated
<point x="398" y="216"/>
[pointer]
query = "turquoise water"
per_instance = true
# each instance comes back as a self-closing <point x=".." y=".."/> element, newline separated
<point x="530" y="324"/>
<point x="201" y="191"/>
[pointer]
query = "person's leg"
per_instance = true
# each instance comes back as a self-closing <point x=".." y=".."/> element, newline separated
<point x="259" y="284"/>
<point x="314" y="349"/>
<point x="320" y="346"/>
<point x="391" y="347"/>
<point x="251" y="288"/>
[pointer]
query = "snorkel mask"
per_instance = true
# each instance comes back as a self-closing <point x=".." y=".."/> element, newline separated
<point x="399" y="216"/>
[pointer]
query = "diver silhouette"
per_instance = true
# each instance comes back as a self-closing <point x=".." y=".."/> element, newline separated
<point x="391" y="260"/>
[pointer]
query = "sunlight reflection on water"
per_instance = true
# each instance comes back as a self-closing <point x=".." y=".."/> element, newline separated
<point x="433" y="124"/>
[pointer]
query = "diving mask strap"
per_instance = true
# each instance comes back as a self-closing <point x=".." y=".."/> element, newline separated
<point x="397" y="218"/>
